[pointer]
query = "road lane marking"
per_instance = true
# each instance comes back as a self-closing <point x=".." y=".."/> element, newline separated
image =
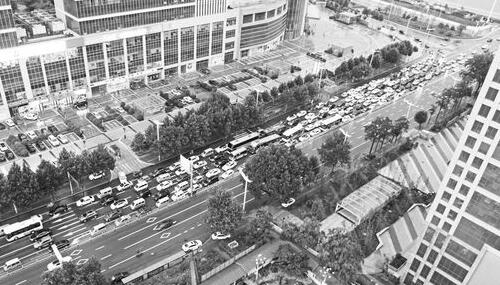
<point x="199" y="225"/>
<point x="104" y="257"/>
<point x="73" y="232"/>
<point x="192" y="228"/>
<point x="60" y="219"/>
<point x="16" y="250"/>
<point x="65" y="226"/>
<point x="102" y="246"/>
<point x="22" y="282"/>
<point x="182" y="211"/>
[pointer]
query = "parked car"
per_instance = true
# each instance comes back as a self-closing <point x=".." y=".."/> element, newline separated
<point x="191" y="245"/>
<point x="124" y="186"/>
<point x="3" y="146"/>
<point x="53" y="140"/>
<point x="22" y="137"/>
<point x="220" y="236"/>
<point x="52" y="129"/>
<point x="230" y="165"/>
<point x="31" y="135"/>
<point x="84" y="201"/>
<point x="40" y="145"/>
<point x="9" y="154"/>
<point x="87" y="216"/>
<point x="30" y="147"/>
<point x="97" y="175"/>
<point x="288" y="203"/>
<point x="62" y="138"/>
<point x="227" y="173"/>
<point x="158" y="172"/>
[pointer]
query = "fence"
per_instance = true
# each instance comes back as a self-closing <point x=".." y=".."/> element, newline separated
<point x="227" y="263"/>
<point x="154" y="269"/>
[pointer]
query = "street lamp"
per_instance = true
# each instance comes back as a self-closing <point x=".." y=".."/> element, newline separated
<point x="158" y="124"/>
<point x="245" y="177"/>
<point x="260" y="260"/>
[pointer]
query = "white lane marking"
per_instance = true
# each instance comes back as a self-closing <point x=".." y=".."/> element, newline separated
<point x="73" y="232"/>
<point x="360" y="145"/>
<point x="185" y="231"/>
<point x="24" y="281"/>
<point x="60" y="219"/>
<point x="182" y="211"/>
<point x="102" y="246"/>
<point x="192" y="228"/>
<point x="199" y="225"/>
<point x="74" y="229"/>
<point x="16" y="250"/>
<point x="65" y="226"/>
<point x="104" y="257"/>
<point x="133" y="256"/>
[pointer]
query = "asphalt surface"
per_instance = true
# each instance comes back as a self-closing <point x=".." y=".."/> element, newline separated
<point x="116" y="250"/>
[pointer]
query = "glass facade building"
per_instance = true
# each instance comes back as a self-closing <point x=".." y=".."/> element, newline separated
<point x="462" y="242"/>
<point x="8" y="37"/>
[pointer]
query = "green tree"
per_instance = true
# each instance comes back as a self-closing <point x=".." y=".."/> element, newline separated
<point x="299" y="81"/>
<point x="197" y="130"/>
<point x="307" y="235"/>
<point x="420" y="118"/>
<point x="291" y="262"/>
<point x="279" y="172"/>
<point x="100" y="160"/>
<point x="335" y="150"/>
<point x="384" y="130"/>
<point x="476" y="69"/>
<point x="443" y="101"/>
<point x="5" y="194"/>
<point x="342" y="253"/>
<point x="274" y="92"/>
<point x="31" y="189"/>
<point x="309" y="78"/>
<point x="224" y="215"/>
<point x="400" y="126"/>
<point x="49" y="177"/>
<point x="393" y="56"/>
<point x="260" y="226"/>
<point x="139" y="143"/>
<point x="376" y="61"/>
<point x="72" y="274"/>
<point x="15" y="187"/>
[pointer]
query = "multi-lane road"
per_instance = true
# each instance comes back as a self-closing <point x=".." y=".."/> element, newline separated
<point x="116" y="250"/>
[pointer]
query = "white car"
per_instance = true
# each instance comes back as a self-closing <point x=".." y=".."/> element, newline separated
<point x="304" y="137"/>
<point x="119" y="204"/>
<point x="291" y="118"/>
<point x="198" y="179"/>
<point x="230" y="165"/>
<point x="141" y="185"/>
<point x="3" y="146"/>
<point x="30" y="116"/>
<point x="96" y="175"/>
<point x="199" y="164"/>
<point x="57" y="264"/>
<point x="310" y="117"/>
<point x="301" y="113"/>
<point x="207" y="152"/>
<point x="124" y="186"/>
<point x="31" y="135"/>
<point x="84" y="201"/>
<point x="219" y="235"/>
<point x="320" y="105"/>
<point x="227" y="174"/>
<point x="213" y="172"/>
<point x="196" y="187"/>
<point x="332" y="112"/>
<point x="10" y="122"/>
<point x="194" y="158"/>
<point x="221" y="148"/>
<point x="63" y="139"/>
<point x="191" y="245"/>
<point x="174" y="166"/>
<point x="310" y="127"/>
<point x="288" y="203"/>
<point x="180" y="172"/>
<point x="316" y="131"/>
<point x="53" y="141"/>
<point x="164" y="185"/>
<point x="324" y="110"/>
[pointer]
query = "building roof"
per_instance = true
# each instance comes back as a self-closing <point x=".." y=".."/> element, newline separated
<point x="370" y="197"/>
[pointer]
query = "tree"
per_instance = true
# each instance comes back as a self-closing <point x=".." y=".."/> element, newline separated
<point x="30" y="186"/>
<point x="139" y="143"/>
<point x="260" y="226"/>
<point x="443" y="100"/>
<point x="371" y="135"/>
<point x="476" y="69"/>
<point x="49" y="177"/>
<point x="299" y="81"/>
<point x="308" y="78"/>
<point x="421" y="117"/>
<point x="376" y="61"/>
<point x="460" y="29"/>
<point x="400" y="126"/>
<point x="72" y="274"/>
<point x="393" y="56"/>
<point x="274" y="92"/>
<point x="279" y="172"/>
<point x="336" y="150"/>
<point x="291" y="262"/>
<point x="15" y="185"/>
<point x="224" y="215"/>
<point x="5" y="199"/>
<point x="307" y="235"/>
<point x="99" y="160"/>
<point x="342" y="253"/>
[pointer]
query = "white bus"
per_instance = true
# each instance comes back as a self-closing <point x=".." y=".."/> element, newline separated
<point x="243" y="140"/>
<point x="21" y="229"/>
<point x="238" y="153"/>
<point x="331" y="120"/>
<point x="290" y="132"/>
<point x="264" y="141"/>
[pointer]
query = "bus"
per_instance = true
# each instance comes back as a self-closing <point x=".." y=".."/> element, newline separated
<point x="243" y="140"/>
<point x="264" y="141"/>
<point x="21" y="229"/>
<point x="238" y="153"/>
<point x="331" y="120"/>
<point x="290" y="132"/>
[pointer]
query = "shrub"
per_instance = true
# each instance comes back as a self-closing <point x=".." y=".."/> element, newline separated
<point x="122" y="104"/>
<point x="20" y="149"/>
<point x="11" y="140"/>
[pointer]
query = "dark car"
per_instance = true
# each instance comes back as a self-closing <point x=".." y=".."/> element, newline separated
<point x="36" y="235"/>
<point x="113" y="216"/>
<point x="58" y="209"/>
<point x="117" y="277"/>
<point x="2" y="156"/>
<point x="161" y="194"/>
<point x="62" y="244"/>
<point x="165" y="225"/>
<point x="144" y="194"/>
<point x="137" y="174"/>
<point x="108" y="200"/>
<point x="210" y="181"/>
<point x="9" y="154"/>
<point x="40" y="145"/>
<point x="159" y="172"/>
<point x="489" y="40"/>
<point x="89" y="215"/>
<point x="205" y="71"/>
<point x="22" y="137"/>
<point x="31" y="148"/>
<point x="52" y="129"/>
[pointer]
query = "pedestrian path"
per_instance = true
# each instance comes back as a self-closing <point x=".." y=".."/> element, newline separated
<point x="424" y="167"/>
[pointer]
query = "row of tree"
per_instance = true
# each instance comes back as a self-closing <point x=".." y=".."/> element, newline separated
<point x="22" y="186"/>
<point x="383" y="129"/>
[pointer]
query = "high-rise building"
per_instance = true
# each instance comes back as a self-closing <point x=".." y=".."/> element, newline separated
<point x="108" y="44"/>
<point x="296" y="18"/>
<point x="461" y="244"/>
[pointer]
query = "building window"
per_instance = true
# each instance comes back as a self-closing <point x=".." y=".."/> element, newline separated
<point x="203" y="40"/>
<point x="477" y="126"/>
<point x="425" y="271"/>
<point x="464" y="189"/>
<point x="452" y="183"/>
<point x="464" y="156"/>
<point x="247" y="18"/>
<point x="491" y="94"/>
<point x="483" y="148"/>
<point x="453" y="269"/>
<point x="439" y="240"/>
<point x="217" y="37"/>
<point x="470" y="142"/>
<point x="484" y="111"/>
<point x="446" y="196"/>
<point x="437" y="278"/>
<point x="429" y="233"/>
<point x="270" y="14"/>
<point x="458" y="170"/>
<point x="458" y="202"/>
<point x="171" y="47"/>
<point x="231" y="22"/>
<point x="496" y="152"/>
<point x="414" y="265"/>
<point x="260" y="16"/>
<point x="440" y="208"/>
<point x="230" y="34"/>
<point x="485" y="209"/>
<point x="421" y="250"/>
<point x="491" y="133"/>
<point x="496" y="77"/>
<point x="435" y="220"/>
<point x="452" y="215"/>
<point x="476" y="162"/>
<point x="432" y="256"/>
<point x="475" y="235"/>
<point x="187" y="44"/>
<point x="470" y="176"/>
<point x="229" y="45"/>
<point x="446" y="227"/>
<point x="461" y="253"/>
<point x="496" y="117"/>
<point x="408" y="279"/>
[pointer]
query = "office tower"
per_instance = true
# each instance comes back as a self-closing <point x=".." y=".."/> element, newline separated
<point x="296" y="18"/>
<point x="462" y="242"/>
<point x="7" y="30"/>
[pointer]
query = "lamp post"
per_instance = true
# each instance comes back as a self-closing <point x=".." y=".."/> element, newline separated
<point x="259" y="262"/>
<point x="245" y="177"/>
<point x="158" y="124"/>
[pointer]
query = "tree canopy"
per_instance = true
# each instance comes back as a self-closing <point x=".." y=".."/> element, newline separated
<point x="224" y="215"/>
<point x="421" y="117"/>
<point x="291" y="261"/>
<point x="72" y="274"/>
<point x="477" y="67"/>
<point x="336" y="150"/>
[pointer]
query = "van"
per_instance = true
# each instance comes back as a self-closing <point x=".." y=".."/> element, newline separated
<point x="207" y="152"/>
<point x="141" y="185"/>
<point x="138" y="203"/>
<point x="176" y="196"/>
<point x="97" y="228"/>
<point x="12" y="264"/>
<point x="162" y="201"/>
<point x="105" y="192"/>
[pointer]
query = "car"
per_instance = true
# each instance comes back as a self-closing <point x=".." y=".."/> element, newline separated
<point x="2" y="156"/>
<point x="180" y="172"/>
<point x="53" y="141"/>
<point x="9" y="154"/>
<point x="227" y="173"/>
<point x="45" y="241"/>
<point x="62" y="138"/>
<point x="119" y="204"/>
<point x="314" y="132"/>
<point x="164" y="185"/>
<point x="37" y="235"/>
<point x="137" y="174"/>
<point x="144" y="193"/>
<point x="304" y="137"/>
<point x="60" y="244"/>
<point x="40" y="145"/>
<point x="141" y="185"/>
<point x="220" y="236"/>
<point x="301" y="113"/>
<point x="191" y="245"/>
<point x="108" y="200"/>
<point x="22" y="137"/>
<point x="194" y="158"/>
<point x="160" y="194"/>
<point x="232" y="87"/>
<point x="221" y="149"/>
<point x="97" y="175"/>
<point x="87" y="216"/>
<point x="52" y="129"/>
<point x="59" y="209"/>
<point x="113" y="216"/>
<point x="164" y="225"/>
<point x="124" y="186"/>
<point x="230" y="165"/>
<point x="310" y="117"/>
<point x="207" y="152"/>
<point x="3" y="146"/>
<point x="31" y="135"/>
<point x="291" y="118"/>
<point x="288" y="202"/>
<point x="84" y="201"/>
<point x="489" y="40"/>
<point x="117" y="277"/>
<point x="10" y="123"/>
<point x="56" y="264"/>
<point x="199" y="164"/>
<point x="30" y="147"/>
<point x="158" y="172"/>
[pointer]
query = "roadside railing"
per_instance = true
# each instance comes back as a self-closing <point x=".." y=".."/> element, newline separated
<point x="227" y="263"/>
